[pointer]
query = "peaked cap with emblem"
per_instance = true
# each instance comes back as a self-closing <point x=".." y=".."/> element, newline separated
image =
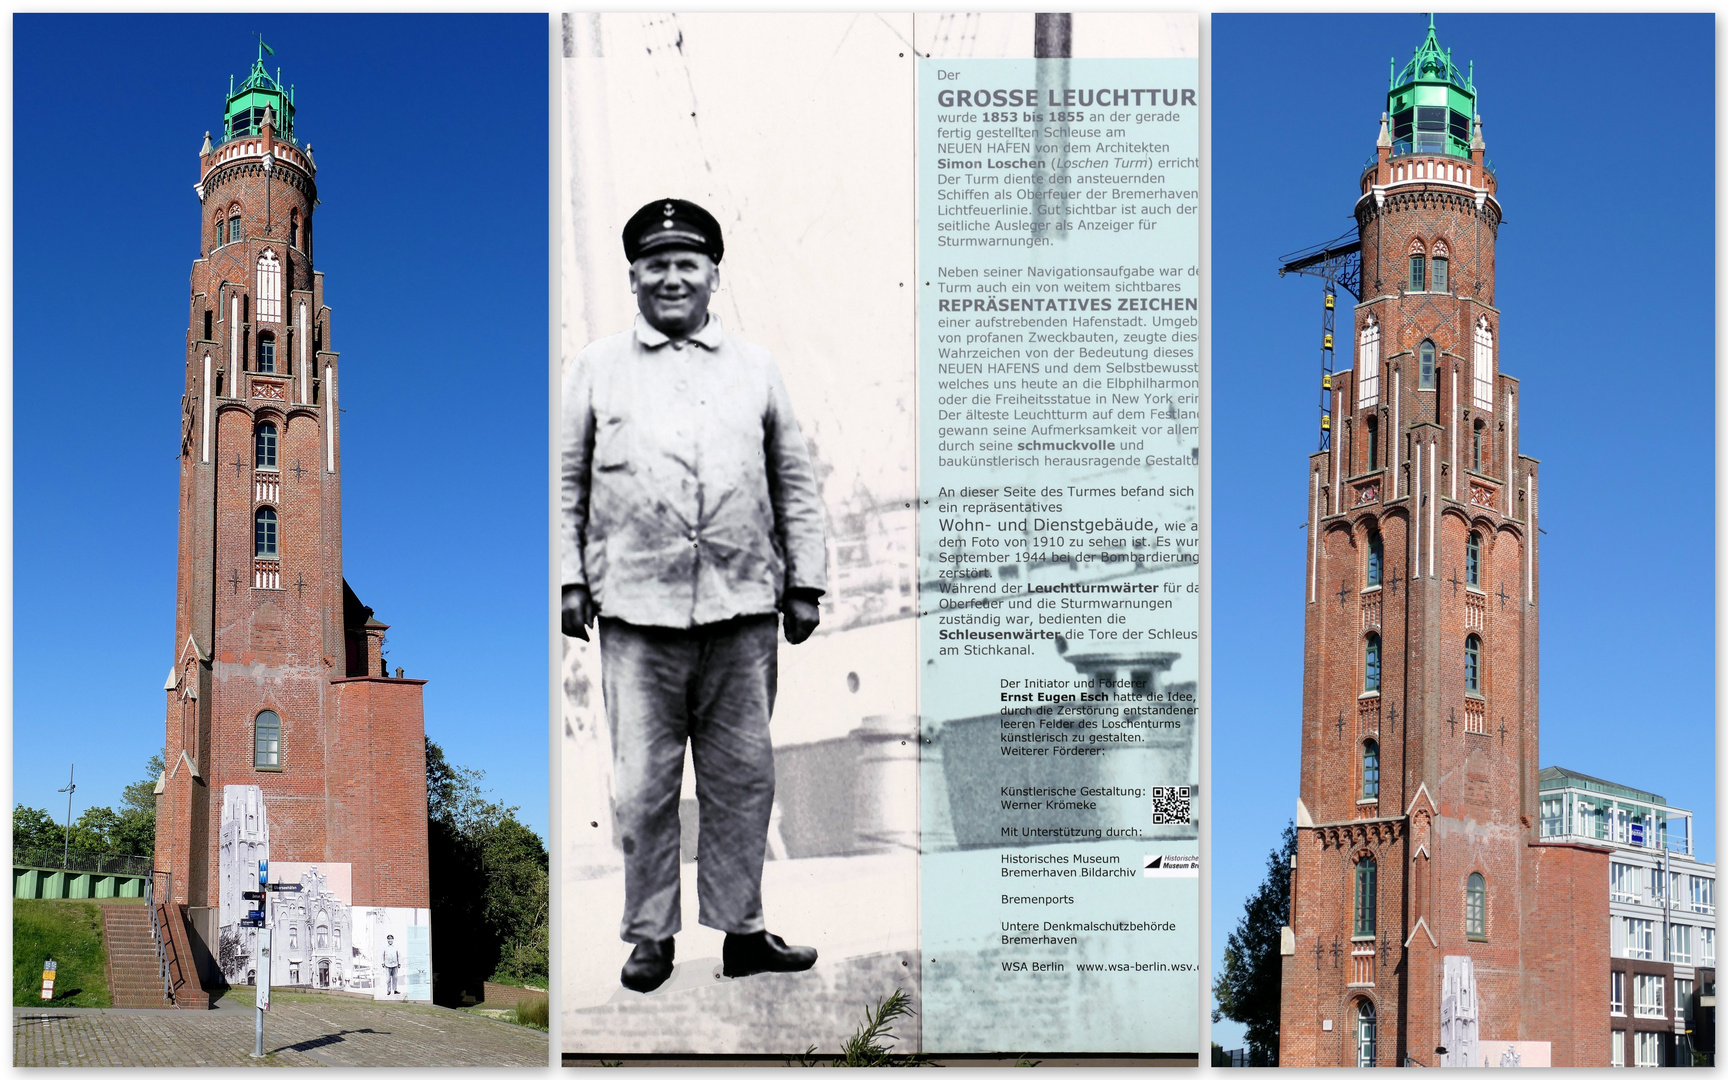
<point x="672" y="223"/>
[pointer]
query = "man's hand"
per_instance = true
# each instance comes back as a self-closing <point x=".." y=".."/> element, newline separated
<point x="802" y="617"/>
<point x="579" y="612"/>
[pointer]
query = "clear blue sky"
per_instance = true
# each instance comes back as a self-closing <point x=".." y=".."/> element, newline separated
<point x="431" y="140"/>
<point x="1606" y="284"/>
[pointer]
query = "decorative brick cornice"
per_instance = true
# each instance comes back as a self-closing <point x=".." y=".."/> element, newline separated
<point x="1374" y="831"/>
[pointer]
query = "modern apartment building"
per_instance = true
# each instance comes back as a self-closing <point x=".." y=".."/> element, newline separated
<point x="1661" y="915"/>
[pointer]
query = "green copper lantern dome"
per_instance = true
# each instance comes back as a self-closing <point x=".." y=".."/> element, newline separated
<point x="246" y="104"/>
<point x="1431" y="102"/>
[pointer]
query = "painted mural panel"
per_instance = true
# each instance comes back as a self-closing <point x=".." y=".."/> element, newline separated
<point x="314" y="934"/>
<point x="245" y="839"/>
<point x="398" y="951"/>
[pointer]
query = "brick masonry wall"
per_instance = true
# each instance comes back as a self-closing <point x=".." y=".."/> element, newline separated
<point x="1457" y="787"/>
<point x="351" y="781"/>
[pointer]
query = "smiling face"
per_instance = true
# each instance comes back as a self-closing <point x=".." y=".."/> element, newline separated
<point x="673" y="287"/>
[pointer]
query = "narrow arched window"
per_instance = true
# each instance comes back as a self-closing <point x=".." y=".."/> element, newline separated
<point x="1418" y="273"/>
<point x="1371" y="663"/>
<point x="268" y="306"/>
<point x="267" y="354"/>
<point x="1438" y="274"/>
<point x="1476" y="908"/>
<point x="1373" y="444"/>
<point x="264" y="533"/>
<point x="264" y="446"/>
<point x="1375" y="553"/>
<point x="1476" y="447"/>
<point x="294" y="230"/>
<point x="1370" y="770"/>
<point x="267" y="741"/>
<point x="1473" y="560"/>
<point x="234" y="226"/>
<point x="1367" y="1037"/>
<point x="1483" y="363"/>
<point x="1425" y="369"/>
<point x="1473" y="664"/>
<point x="1368" y="365"/>
<point x="1363" y="923"/>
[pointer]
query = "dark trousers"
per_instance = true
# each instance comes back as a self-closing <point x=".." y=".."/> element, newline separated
<point x="713" y="687"/>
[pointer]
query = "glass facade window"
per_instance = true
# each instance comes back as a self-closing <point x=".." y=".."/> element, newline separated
<point x="1639" y="939"/>
<point x="1371" y="664"/>
<point x="1647" y="997"/>
<point x="1703" y="895"/>
<point x="1553" y="817"/>
<point x="1370" y="770"/>
<point x="1431" y="123"/>
<point x="1473" y="664"/>
<point x="1649" y="1048"/>
<point x="1476" y="907"/>
<point x="267" y="741"/>
<point x="1617" y="1049"/>
<point x="1706" y="946"/>
<point x="1680" y="944"/>
<point x="1364" y="922"/>
<point x="1617" y="993"/>
<point x="1623" y="882"/>
<point x="1426" y="366"/>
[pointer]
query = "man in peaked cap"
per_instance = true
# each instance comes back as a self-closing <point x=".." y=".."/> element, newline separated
<point x="691" y="527"/>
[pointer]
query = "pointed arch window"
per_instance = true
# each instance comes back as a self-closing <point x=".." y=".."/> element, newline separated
<point x="1476" y="447"/>
<point x="1371" y="664"/>
<point x="1476" y="908"/>
<point x="264" y="446"/>
<point x="1367" y="1036"/>
<point x="1425" y="370"/>
<point x="1473" y="664"/>
<point x="1368" y="366"/>
<point x="1376" y="559"/>
<point x="268" y="307"/>
<point x="1370" y="769"/>
<point x="1473" y="560"/>
<point x="234" y="225"/>
<point x="267" y="741"/>
<point x="1483" y="364"/>
<point x="265" y="540"/>
<point x="1362" y="925"/>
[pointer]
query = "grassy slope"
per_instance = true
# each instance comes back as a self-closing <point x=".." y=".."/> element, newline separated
<point x="70" y="932"/>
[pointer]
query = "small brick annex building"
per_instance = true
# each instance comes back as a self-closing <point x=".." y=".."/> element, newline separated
<point x="278" y="680"/>
<point x="1425" y="913"/>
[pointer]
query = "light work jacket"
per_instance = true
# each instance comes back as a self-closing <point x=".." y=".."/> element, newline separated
<point x="687" y="492"/>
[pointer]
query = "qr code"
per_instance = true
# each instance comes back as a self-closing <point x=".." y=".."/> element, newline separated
<point x="1172" y="806"/>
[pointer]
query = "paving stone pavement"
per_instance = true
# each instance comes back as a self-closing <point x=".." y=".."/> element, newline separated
<point x="298" y="1030"/>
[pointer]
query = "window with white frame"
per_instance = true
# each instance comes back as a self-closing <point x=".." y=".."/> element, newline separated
<point x="1553" y="817"/>
<point x="1647" y="995"/>
<point x="1680" y="945"/>
<point x="1623" y="882"/>
<point x="1683" y="1002"/>
<point x="1639" y="943"/>
<point x="1703" y="895"/>
<point x="268" y="307"/>
<point x="1617" y="1049"/>
<point x="1649" y="1048"/>
<point x="1368" y="365"/>
<point x="1483" y="363"/>
<point x="1617" y="993"/>
<point x="1706" y="946"/>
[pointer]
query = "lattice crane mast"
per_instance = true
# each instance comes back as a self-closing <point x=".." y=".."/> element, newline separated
<point x="1338" y="263"/>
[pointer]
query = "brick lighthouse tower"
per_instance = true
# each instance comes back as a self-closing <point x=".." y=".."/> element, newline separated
<point x="1427" y="922"/>
<point x="286" y="736"/>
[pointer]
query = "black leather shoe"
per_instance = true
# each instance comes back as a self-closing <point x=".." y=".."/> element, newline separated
<point x="650" y="964"/>
<point x="752" y="954"/>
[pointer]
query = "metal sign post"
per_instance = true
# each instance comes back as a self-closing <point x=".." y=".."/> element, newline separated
<point x="263" y="977"/>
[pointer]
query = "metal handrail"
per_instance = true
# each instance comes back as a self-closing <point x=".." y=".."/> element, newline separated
<point x="156" y="929"/>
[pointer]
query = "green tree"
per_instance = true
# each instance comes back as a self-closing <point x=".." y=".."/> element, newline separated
<point x="1247" y="989"/>
<point x="488" y="874"/>
<point x="34" y="830"/>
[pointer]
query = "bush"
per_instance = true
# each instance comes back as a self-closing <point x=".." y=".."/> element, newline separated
<point x="534" y="1012"/>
